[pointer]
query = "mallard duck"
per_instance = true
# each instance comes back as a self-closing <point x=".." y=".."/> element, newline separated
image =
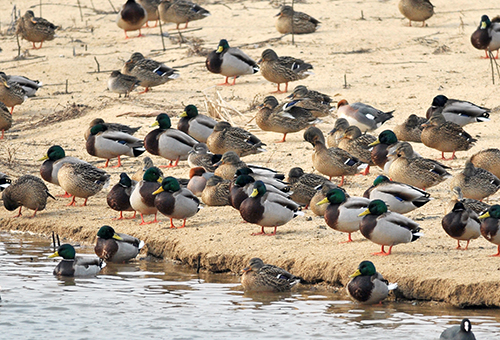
<point x="320" y="195"/>
<point x="151" y="7"/>
<point x="242" y="187"/>
<point x="385" y="143"/>
<point x="216" y="192"/>
<point x="316" y="102"/>
<point x="272" y="117"/>
<point x="168" y="143"/>
<point x="460" y="112"/>
<point x="387" y="228"/>
<point x="490" y="226"/>
<point x="476" y="206"/>
<point x="175" y="202"/>
<point x="110" y="126"/>
<point x="462" y="332"/>
<point x="290" y="21"/>
<point x="343" y="211"/>
<point x="270" y="177"/>
<point x="417" y="171"/>
<point x="445" y="136"/>
<point x="28" y="191"/>
<point x="116" y="247"/>
<point x="200" y="156"/>
<point x="150" y="72"/>
<point x="488" y="159"/>
<point x="401" y="198"/>
<point x="365" y="117"/>
<point x="118" y="197"/>
<point x="228" y="138"/>
<point x="5" y="119"/>
<point x="73" y="265"/>
<point x="107" y="144"/>
<point x="283" y="69"/>
<point x="228" y="165"/>
<point x="462" y="224"/>
<point x="268" y="209"/>
<point x="333" y="161"/>
<point x="35" y="29"/>
<point x="334" y="136"/>
<point x="197" y="126"/>
<point x="230" y="62"/>
<point x="181" y="11"/>
<point x="29" y="86"/>
<point x="367" y="286"/>
<point x="122" y="83"/>
<point x="356" y="143"/>
<point x="475" y="182"/>
<point x="304" y="186"/>
<point x="82" y="180"/>
<point x="416" y="10"/>
<point x="260" y="277"/>
<point x="198" y="178"/>
<point x="131" y="17"/>
<point x="4" y="181"/>
<point x="411" y="129"/>
<point x="142" y="199"/>
<point x="147" y="163"/>
<point x="11" y="95"/>
<point x="487" y="35"/>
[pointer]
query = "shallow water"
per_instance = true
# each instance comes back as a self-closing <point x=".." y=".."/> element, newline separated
<point x="159" y="300"/>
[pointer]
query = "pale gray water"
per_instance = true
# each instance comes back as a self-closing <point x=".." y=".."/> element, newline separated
<point x="158" y="300"/>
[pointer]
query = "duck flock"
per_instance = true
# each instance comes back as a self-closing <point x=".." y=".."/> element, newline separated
<point x="214" y="149"/>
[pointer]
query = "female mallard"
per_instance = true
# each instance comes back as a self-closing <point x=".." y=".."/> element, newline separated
<point x="107" y="144"/>
<point x="118" y="197"/>
<point x="5" y="119"/>
<point x="116" y="247"/>
<point x="487" y="35"/>
<point x="356" y="143"/>
<point x="29" y="86"/>
<point x="290" y="21"/>
<point x="283" y="69"/>
<point x="272" y="117"/>
<point x="316" y="102"/>
<point x="416" y="10"/>
<point x="411" y="129"/>
<point x="460" y="112"/>
<point x="28" y="191"/>
<point x="334" y="136"/>
<point x="304" y="186"/>
<point x="216" y="192"/>
<point x="168" y="143"/>
<point x="142" y="199"/>
<point x="343" y="211"/>
<point x="35" y="29"/>
<point x="320" y="195"/>
<point x="82" y="180"/>
<point x="260" y="277"/>
<point x="151" y="7"/>
<point x="401" y="198"/>
<point x="367" y="286"/>
<point x="365" y="117"/>
<point x="200" y="156"/>
<point x="445" y="136"/>
<point x="175" y="202"/>
<point x="72" y="265"/>
<point x="488" y="159"/>
<point x="122" y="83"/>
<point x="476" y="206"/>
<point x="462" y="332"/>
<point x="490" y="226"/>
<point x="11" y="95"/>
<point x="475" y="182"/>
<point x="268" y="209"/>
<point x="230" y="62"/>
<point x="150" y="72"/>
<point x="197" y="126"/>
<point x="387" y="228"/>
<point x="462" y="224"/>
<point x="385" y="143"/>
<point x="181" y="11"/>
<point x="417" y="171"/>
<point x="228" y="165"/>
<point x="110" y="126"/>
<point x="228" y="138"/>
<point x="131" y="17"/>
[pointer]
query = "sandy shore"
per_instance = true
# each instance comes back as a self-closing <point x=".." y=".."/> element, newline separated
<point x="385" y="63"/>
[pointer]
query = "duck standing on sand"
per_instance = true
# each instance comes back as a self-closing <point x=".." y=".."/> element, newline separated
<point x="365" y="117"/>
<point x="196" y="125"/>
<point x="335" y="134"/>
<point x="181" y="11"/>
<point x="475" y="182"/>
<point x="5" y="119"/>
<point x="367" y="286"/>
<point x="316" y="102"/>
<point x="142" y="199"/>
<point x="416" y="10"/>
<point x="116" y="247"/>
<point x="462" y="224"/>
<point x="28" y="191"/>
<point x="118" y="197"/>
<point x="232" y="138"/>
<point x="72" y="265"/>
<point x="490" y="226"/>
<point x="283" y="69"/>
<point x="216" y="191"/>
<point x="356" y="143"/>
<point x="411" y="129"/>
<point x="460" y="112"/>
<point x="11" y="95"/>
<point x="151" y="7"/>
<point x="110" y="126"/>
<point x="122" y="83"/>
<point x="385" y="144"/>
<point x="260" y="277"/>
<point x="230" y="62"/>
<point x="131" y="17"/>
<point x="35" y="29"/>
<point x="487" y="36"/>
<point x="290" y="21"/>
<point x="82" y="180"/>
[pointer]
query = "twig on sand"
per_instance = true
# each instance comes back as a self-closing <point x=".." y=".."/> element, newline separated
<point x="493" y="60"/>
<point x="219" y="108"/>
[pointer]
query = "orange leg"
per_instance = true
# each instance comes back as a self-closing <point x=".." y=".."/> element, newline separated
<point x="458" y="246"/>
<point x="66" y="195"/>
<point x="126" y="36"/>
<point x="85" y="203"/>
<point x="37" y="48"/>
<point x="383" y="253"/>
<point x="131" y="218"/>
<point x="186" y="25"/>
<point x="19" y="213"/>
<point x="348" y="240"/>
<point x="342" y="181"/>
<point x="467" y="245"/>
<point x="119" y="163"/>
<point x="120" y="217"/>
<point x="262" y="232"/>
<point x="140" y="34"/>
<point x="144" y="222"/>
<point x="183" y="224"/>
<point x="447" y="159"/>
<point x="146" y="90"/>
<point x="73" y="202"/>
<point x="11" y="110"/>
<point x="171" y="165"/>
<point x="172" y="223"/>
<point x="2" y="134"/>
<point x="283" y="140"/>
<point x="34" y="214"/>
<point x="498" y="252"/>
<point x="367" y="171"/>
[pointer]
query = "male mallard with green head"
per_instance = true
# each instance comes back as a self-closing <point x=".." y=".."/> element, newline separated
<point x="116" y="247"/>
<point x="72" y="265"/>
<point x="490" y="226"/>
<point x="196" y="125"/>
<point x="487" y="36"/>
<point x="462" y="224"/>
<point x="367" y="286"/>
<point x="142" y="199"/>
